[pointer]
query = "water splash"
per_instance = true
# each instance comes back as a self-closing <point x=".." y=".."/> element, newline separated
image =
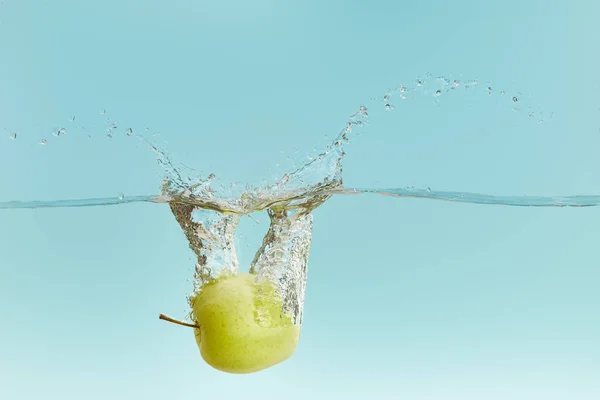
<point x="322" y="175"/>
<point x="209" y="214"/>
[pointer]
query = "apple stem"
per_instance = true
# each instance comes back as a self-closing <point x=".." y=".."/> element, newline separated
<point x="165" y="318"/>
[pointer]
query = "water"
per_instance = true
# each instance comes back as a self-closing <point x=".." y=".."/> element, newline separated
<point x="322" y="175"/>
<point x="427" y="194"/>
<point x="209" y="213"/>
<point x="417" y="297"/>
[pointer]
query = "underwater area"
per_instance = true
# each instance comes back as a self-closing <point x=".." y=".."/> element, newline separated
<point x="299" y="200"/>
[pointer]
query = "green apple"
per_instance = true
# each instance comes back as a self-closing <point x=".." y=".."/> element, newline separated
<point x="240" y="326"/>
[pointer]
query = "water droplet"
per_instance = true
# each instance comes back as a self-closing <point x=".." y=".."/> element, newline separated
<point x="419" y="82"/>
<point x="386" y="98"/>
<point x="121" y="196"/>
<point x="13" y="136"/>
<point x="109" y="136"/>
<point x="73" y="118"/>
<point x="444" y="80"/>
<point x="44" y="141"/>
<point x="502" y="92"/>
<point x="438" y="92"/>
<point x="489" y="90"/>
<point x="389" y="107"/>
<point x="402" y="89"/>
<point x="129" y="132"/>
<point x="515" y="99"/>
<point x="103" y="112"/>
<point x="284" y="179"/>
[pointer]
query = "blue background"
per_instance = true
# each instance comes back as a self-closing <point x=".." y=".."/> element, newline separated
<point x="406" y="298"/>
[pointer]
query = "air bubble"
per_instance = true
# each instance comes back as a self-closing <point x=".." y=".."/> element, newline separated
<point x="44" y="142"/>
<point x="129" y="132"/>
<point x="389" y="107"/>
<point x="438" y="92"/>
<point x="515" y="99"/>
<point x="121" y="196"/>
<point x="13" y="136"/>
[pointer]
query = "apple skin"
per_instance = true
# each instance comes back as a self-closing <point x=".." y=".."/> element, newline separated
<point x="241" y="326"/>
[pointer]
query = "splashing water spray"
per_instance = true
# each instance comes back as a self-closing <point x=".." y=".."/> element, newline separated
<point x="247" y="322"/>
